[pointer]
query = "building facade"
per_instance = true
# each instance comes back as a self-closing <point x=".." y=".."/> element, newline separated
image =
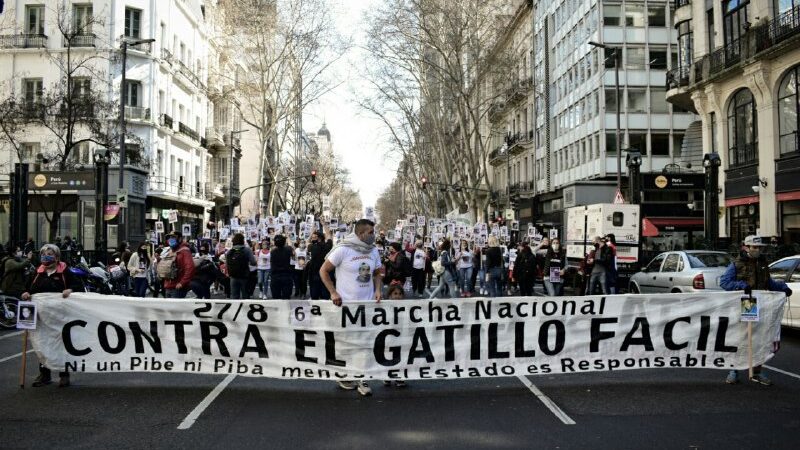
<point x="176" y="112"/>
<point x="738" y="69"/>
<point x="555" y="130"/>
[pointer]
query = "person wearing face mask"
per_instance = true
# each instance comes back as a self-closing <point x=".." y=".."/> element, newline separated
<point x="525" y="269"/>
<point x="51" y="276"/>
<point x="599" y="259"/>
<point x="750" y="272"/>
<point x="138" y="265"/>
<point x="179" y="286"/>
<point x="357" y="264"/>
<point x="15" y="265"/>
<point x="394" y="263"/>
<point x="554" y="265"/>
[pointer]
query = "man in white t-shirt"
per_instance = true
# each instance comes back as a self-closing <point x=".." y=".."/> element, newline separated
<point x="358" y="276"/>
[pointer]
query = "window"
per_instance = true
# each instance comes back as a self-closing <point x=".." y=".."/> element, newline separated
<point x="780" y="270"/>
<point x="742" y="129"/>
<point x="609" y="54"/>
<point x="28" y="152"/>
<point x="638" y="141"/>
<point x="659" y="144"/>
<point x="82" y="19"/>
<point x="133" y="93"/>
<point x="656" y="16"/>
<point x="781" y="6"/>
<point x="80" y="153"/>
<point x="637" y="100"/>
<point x="611" y="15"/>
<point x="611" y="143"/>
<point x="685" y="43"/>
<point x="710" y="29"/>
<point x="81" y="87"/>
<point x="611" y="100"/>
<point x="655" y="264"/>
<point x="32" y="91"/>
<point x="677" y="144"/>
<point x="133" y="23"/>
<point x="671" y="263"/>
<point x="635" y="58"/>
<point x="658" y="59"/>
<point x="34" y="19"/>
<point x="697" y="260"/>
<point x="658" y="100"/>
<point x="788" y="112"/>
<point x="634" y="15"/>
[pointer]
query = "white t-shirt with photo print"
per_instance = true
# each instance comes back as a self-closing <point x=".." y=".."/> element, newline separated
<point x="354" y="272"/>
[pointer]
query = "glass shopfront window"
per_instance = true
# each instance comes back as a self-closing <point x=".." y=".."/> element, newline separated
<point x="744" y="220"/>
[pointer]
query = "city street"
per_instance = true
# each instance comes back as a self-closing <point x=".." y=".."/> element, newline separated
<point x="633" y="409"/>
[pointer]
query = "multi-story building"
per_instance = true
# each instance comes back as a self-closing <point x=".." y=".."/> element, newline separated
<point x="559" y="116"/>
<point x="738" y="69"/>
<point x="179" y="118"/>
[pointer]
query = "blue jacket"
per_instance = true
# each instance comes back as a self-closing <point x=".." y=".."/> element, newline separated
<point x="729" y="282"/>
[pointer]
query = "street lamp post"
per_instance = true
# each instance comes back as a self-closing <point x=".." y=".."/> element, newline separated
<point x="122" y="231"/>
<point x="101" y="161"/>
<point x="711" y="164"/>
<point x="230" y="181"/>
<point x="634" y="161"/>
<point x="619" y="107"/>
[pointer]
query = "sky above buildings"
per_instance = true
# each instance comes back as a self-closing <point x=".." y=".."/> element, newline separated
<point x="358" y="140"/>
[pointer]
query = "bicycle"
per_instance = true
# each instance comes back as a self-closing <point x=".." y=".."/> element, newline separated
<point x="8" y="311"/>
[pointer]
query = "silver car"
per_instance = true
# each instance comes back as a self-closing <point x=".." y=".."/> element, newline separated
<point x="787" y="270"/>
<point x="681" y="271"/>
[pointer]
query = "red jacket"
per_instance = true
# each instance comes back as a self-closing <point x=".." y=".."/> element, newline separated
<point x="185" y="264"/>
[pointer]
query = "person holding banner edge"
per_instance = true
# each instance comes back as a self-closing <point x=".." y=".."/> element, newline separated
<point x="355" y="260"/>
<point x="750" y="272"/>
<point x="51" y="276"/>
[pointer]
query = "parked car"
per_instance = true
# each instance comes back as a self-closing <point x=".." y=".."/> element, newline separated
<point x="681" y="271"/>
<point x="787" y="269"/>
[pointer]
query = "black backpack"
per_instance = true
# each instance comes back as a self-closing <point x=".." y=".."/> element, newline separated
<point x="238" y="263"/>
<point x="408" y="265"/>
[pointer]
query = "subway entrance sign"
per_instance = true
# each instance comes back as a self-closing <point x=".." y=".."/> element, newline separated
<point x="63" y="181"/>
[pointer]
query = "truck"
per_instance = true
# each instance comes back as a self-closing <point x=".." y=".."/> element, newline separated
<point x="584" y="223"/>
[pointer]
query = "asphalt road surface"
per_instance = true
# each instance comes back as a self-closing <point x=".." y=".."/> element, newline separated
<point x="668" y="408"/>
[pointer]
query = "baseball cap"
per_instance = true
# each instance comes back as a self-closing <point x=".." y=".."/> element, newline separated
<point x="755" y="241"/>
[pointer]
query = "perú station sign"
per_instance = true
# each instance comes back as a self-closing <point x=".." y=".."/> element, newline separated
<point x="64" y="181"/>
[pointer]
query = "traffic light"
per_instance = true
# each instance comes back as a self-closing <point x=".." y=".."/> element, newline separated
<point x="424" y="182"/>
<point x="313" y="176"/>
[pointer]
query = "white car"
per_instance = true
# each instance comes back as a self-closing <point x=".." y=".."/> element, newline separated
<point x="787" y="270"/>
<point x="681" y="271"/>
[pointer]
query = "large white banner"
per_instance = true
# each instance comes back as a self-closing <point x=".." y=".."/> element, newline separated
<point x="408" y="339"/>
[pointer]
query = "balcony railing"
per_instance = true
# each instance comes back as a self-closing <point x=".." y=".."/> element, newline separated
<point x="23" y="41"/>
<point x="144" y="47"/>
<point x="80" y="40"/>
<point x="165" y="121"/>
<point x="166" y="56"/>
<point x="185" y="130"/>
<point x="188" y="73"/>
<point x="679" y="3"/>
<point x="496" y="110"/>
<point x="743" y="155"/>
<point x="178" y="187"/>
<point x="777" y="30"/>
<point x="137" y="113"/>
<point x="33" y="110"/>
<point x="678" y="77"/>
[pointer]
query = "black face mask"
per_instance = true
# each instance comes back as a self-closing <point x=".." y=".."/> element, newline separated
<point x="596" y="245"/>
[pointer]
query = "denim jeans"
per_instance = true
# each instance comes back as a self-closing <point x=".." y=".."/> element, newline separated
<point x="464" y="277"/>
<point x="446" y="281"/>
<point x="177" y="293"/>
<point x="598" y="277"/>
<point x="554" y="289"/>
<point x="495" y="284"/>
<point x="238" y="288"/>
<point x="263" y="281"/>
<point x="140" y="286"/>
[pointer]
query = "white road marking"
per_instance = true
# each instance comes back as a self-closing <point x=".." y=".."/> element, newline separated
<point x="6" y="336"/>
<point x="783" y="371"/>
<point x="567" y="420"/>
<point x="192" y="417"/>
<point x="9" y="358"/>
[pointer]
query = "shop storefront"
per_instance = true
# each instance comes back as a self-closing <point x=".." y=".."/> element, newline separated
<point x="672" y="205"/>
<point x="743" y="217"/>
<point x="789" y="217"/>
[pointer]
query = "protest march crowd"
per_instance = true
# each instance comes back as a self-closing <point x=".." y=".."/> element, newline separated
<point x="287" y="257"/>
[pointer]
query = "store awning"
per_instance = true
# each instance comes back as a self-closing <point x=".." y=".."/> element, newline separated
<point x="648" y="229"/>
<point x="741" y="201"/>
<point x="675" y="221"/>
